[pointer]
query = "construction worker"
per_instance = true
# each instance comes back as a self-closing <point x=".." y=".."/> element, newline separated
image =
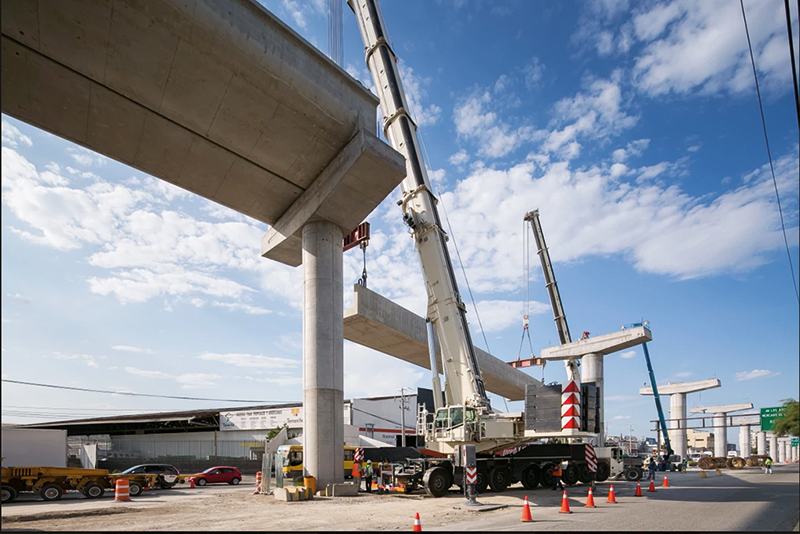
<point x="356" y="473"/>
<point x="651" y="470"/>
<point x="768" y="466"/>
<point x="368" y="476"/>
<point x="557" y="477"/>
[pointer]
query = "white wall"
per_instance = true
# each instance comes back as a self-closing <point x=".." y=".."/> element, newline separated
<point x="384" y="415"/>
<point x="29" y="447"/>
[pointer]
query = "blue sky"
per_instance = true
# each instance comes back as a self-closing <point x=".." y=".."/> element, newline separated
<point x="633" y="128"/>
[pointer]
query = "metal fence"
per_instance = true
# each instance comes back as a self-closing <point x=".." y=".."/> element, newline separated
<point x="168" y="449"/>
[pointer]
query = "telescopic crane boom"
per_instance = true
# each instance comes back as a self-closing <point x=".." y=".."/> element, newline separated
<point x="552" y="290"/>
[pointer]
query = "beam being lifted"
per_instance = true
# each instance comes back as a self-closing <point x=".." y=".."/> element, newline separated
<point x="378" y="323"/>
<point x="602" y="345"/>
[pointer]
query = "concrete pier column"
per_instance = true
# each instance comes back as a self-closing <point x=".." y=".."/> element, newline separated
<point x="773" y="446"/>
<point x="720" y="435"/>
<point x="781" y="456"/>
<point x="323" y="353"/>
<point x="744" y="441"/>
<point x="794" y="453"/>
<point x="677" y="432"/>
<point x="592" y="371"/>
<point x="761" y="443"/>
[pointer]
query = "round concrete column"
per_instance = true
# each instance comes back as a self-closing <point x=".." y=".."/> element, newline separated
<point x="592" y="371"/>
<point x="781" y="456"/>
<point x="794" y="453"/>
<point x="677" y="432"/>
<point x="761" y="443"/>
<point x="773" y="446"/>
<point x="323" y="353"/>
<point x="744" y="441"/>
<point x="720" y="436"/>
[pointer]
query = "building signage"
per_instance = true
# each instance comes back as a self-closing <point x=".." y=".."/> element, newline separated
<point x="267" y="419"/>
<point x="795" y="442"/>
<point x="768" y="416"/>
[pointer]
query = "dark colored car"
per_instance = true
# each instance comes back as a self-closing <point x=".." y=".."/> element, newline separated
<point x="169" y="473"/>
<point x="222" y="474"/>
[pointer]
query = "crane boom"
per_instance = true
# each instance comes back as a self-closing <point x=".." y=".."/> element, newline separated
<point x="463" y="381"/>
<point x="559" y="316"/>
<point x="658" y="401"/>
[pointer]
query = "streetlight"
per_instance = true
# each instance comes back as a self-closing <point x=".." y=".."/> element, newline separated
<point x="630" y="440"/>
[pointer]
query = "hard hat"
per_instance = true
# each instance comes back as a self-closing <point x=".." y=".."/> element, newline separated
<point x="369" y="461"/>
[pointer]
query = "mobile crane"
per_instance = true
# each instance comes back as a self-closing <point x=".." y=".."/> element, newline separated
<point x="466" y="416"/>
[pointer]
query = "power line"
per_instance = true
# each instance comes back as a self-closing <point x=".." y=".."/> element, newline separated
<point x="769" y="154"/>
<point x="791" y="54"/>
<point x="140" y="394"/>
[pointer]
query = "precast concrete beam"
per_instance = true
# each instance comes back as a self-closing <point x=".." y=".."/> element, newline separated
<point x="218" y="97"/>
<point x="720" y="408"/>
<point x="347" y="190"/>
<point x="682" y="387"/>
<point x="378" y="323"/>
<point x="603" y="344"/>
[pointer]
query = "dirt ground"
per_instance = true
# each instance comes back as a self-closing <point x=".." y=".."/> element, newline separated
<point x="242" y="510"/>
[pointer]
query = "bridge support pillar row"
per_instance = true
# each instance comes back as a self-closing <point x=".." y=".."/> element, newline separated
<point x="592" y="371"/>
<point x="781" y="456"/>
<point x="744" y="441"/>
<point x="773" y="446"/>
<point x="720" y="435"/>
<point x="761" y="442"/>
<point x="677" y="432"/>
<point x="323" y="353"/>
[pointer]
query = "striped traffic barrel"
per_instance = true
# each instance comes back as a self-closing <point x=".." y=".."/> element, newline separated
<point x="122" y="490"/>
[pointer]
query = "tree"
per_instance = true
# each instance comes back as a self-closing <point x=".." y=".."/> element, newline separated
<point x="788" y="423"/>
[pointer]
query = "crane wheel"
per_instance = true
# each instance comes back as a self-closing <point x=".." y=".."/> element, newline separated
<point x="602" y="471"/>
<point x="436" y="481"/>
<point x="499" y="478"/>
<point x="531" y="476"/>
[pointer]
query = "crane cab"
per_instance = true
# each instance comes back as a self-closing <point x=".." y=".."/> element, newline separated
<point x="456" y="423"/>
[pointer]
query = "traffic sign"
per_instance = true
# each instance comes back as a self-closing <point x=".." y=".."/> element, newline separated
<point x="795" y="442"/>
<point x="768" y="416"/>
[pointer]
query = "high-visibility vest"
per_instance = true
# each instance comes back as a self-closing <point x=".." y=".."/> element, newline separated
<point x="368" y="471"/>
<point x="356" y="469"/>
<point x="557" y="470"/>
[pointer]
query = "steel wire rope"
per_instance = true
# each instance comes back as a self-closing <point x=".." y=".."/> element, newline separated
<point x="769" y="154"/>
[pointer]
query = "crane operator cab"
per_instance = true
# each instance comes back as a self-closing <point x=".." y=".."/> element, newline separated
<point x="456" y="423"/>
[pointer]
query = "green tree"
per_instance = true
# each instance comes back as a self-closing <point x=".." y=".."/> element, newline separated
<point x="788" y="423"/>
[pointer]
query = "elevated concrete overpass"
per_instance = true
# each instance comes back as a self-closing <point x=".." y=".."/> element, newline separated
<point x="220" y="98"/>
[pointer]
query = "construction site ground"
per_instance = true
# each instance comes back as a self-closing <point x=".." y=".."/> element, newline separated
<point x="745" y="500"/>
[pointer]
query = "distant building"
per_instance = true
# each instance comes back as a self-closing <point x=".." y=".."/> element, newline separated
<point x="699" y="440"/>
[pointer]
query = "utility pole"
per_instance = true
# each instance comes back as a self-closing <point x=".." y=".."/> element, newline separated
<point x="403" y="417"/>
<point x="630" y="439"/>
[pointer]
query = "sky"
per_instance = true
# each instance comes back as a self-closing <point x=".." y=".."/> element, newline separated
<point x="633" y="127"/>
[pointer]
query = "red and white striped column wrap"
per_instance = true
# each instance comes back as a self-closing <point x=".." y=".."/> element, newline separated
<point x="571" y="406"/>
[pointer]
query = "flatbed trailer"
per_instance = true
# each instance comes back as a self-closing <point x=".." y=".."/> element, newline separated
<point x="51" y="482"/>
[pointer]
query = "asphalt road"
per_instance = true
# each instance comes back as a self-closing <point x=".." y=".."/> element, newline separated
<point x="744" y="500"/>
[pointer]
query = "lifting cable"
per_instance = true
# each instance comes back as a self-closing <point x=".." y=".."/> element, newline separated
<point x="526" y="295"/>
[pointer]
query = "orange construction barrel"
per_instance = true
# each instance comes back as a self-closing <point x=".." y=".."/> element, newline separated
<point x="122" y="490"/>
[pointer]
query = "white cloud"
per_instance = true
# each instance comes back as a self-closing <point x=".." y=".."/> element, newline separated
<point x="495" y="138"/>
<point x="13" y="137"/>
<point x="533" y="72"/>
<point x="414" y="88"/>
<point x="252" y="310"/>
<point x="147" y="374"/>
<point x="621" y="417"/>
<point x="251" y="360"/>
<point x="701" y="47"/>
<point x="683" y="374"/>
<point x="197" y="380"/>
<point x="87" y="158"/>
<point x="126" y="348"/>
<point x="460" y="158"/>
<point x="627" y="355"/>
<point x="88" y="359"/>
<point x="19" y="298"/>
<point x="756" y="373"/>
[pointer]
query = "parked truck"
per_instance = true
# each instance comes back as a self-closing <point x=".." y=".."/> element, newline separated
<point x="51" y="482"/>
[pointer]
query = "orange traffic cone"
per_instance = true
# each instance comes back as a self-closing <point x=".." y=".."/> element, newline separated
<point x="417" y="525"/>
<point x="526" y="510"/>
<point x="652" y="487"/>
<point x="611" y="497"/>
<point x="565" y="504"/>
<point x="638" y="490"/>
<point x="665" y="482"/>
<point x="590" y="500"/>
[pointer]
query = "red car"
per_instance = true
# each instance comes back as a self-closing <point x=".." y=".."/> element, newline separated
<point x="218" y="475"/>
